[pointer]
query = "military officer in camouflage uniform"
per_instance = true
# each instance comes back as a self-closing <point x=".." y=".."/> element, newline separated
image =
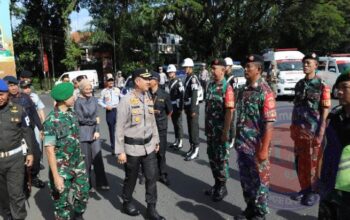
<point x="256" y="112"/>
<point x="14" y="126"/>
<point x="67" y="167"/>
<point x="311" y="106"/>
<point x="176" y="90"/>
<point x="218" y="116"/>
<point x="138" y="143"/>
<point x="272" y="77"/>
<point x="191" y="106"/>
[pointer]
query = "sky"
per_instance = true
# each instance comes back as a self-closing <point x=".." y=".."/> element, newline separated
<point x="79" y="20"/>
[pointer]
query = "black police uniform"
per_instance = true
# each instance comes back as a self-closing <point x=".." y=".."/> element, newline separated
<point x="176" y="89"/>
<point x="162" y="108"/>
<point x="191" y="105"/>
<point x="14" y="126"/>
<point x="26" y="102"/>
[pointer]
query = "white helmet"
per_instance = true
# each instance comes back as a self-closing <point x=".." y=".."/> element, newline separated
<point x="228" y="61"/>
<point x="188" y="62"/>
<point x="171" y="68"/>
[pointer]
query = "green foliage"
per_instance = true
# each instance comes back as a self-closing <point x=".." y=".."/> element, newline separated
<point x="73" y="54"/>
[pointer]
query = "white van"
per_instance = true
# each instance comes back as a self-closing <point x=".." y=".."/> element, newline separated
<point x="289" y="69"/>
<point x="90" y="74"/>
<point x="329" y="68"/>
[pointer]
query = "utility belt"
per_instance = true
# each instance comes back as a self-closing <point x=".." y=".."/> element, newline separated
<point x="188" y="101"/>
<point x="176" y="103"/>
<point x="11" y="152"/>
<point x="137" y="141"/>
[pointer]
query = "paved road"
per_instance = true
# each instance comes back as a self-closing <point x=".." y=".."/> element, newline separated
<point x="184" y="199"/>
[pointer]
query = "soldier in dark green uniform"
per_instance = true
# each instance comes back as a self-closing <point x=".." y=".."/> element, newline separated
<point x="311" y="106"/>
<point x="67" y="167"/>
<point x="256" y="112"/>
<point x="162" y="109"/>
<point x="219" y="108"/>
<point x="14" y="126"/>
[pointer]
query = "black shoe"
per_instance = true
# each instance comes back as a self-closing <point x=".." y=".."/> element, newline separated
<point x="193" y="155"/>
<point x="152" y="213"/>
<point x="309" y="199"/>
<point x="189" y="152"/>
<point x="210" y="191"/>
<point x="164" y="179"/>
<point x="130" y="209"/>
<point x="36" y="182"/>
<point x="220" y="193"/>
<point x="103" y="188"/>
<point x="248" y="213"/>
<point x="298" y="196"/>
<point x="78" y="216"/>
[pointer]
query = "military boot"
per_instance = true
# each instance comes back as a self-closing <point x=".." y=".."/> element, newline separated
<point x="130" y="209"/>
<point x="211" y="190"/>
<point x="78" y="216"/>
<point x="220" y="193"/>
<point x="152" y="213"/>
<point x="189" y="152"/>
<point x="173" y="145"/>
<point x="248" y="213"/>
<point x="179" y="145"/>
<point x="194" y="154"/>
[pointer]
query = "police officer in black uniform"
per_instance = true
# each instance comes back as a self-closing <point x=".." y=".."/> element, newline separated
<point x="14" y="126"/>
<point x="26" y="102"/>
<point x="176" y="90"/>
<point x="162" y="109"/>
<point x="191" y="106"/>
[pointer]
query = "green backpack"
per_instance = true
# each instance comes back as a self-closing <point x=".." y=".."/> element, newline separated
<point x="342" y="181"/>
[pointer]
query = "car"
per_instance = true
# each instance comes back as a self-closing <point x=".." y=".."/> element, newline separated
<point x="238" y="73"/>
<point x="330" y="67"/>
<point x="91" y="75"/>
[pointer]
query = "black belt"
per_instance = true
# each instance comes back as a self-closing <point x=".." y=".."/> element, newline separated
<point x="137" y="141"/>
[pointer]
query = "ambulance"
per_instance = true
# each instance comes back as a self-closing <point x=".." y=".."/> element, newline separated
<point x="289" y="68"/>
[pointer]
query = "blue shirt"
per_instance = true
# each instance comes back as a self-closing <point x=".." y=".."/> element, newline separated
<point x="109" y="97"/>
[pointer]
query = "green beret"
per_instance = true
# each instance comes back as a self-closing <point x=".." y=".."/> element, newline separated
<point x="345" y="76"/>
<point x="62" y="91"/>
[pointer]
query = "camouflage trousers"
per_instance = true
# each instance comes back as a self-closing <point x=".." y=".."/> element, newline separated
<point x="75" y="195"/>
<point x="255" y="178"/>
<point x="306" y="161"/>
<point x="218" y="154"/>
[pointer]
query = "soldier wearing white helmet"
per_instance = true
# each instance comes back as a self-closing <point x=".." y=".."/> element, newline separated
<point x="176" y="90"/>
<point x="191" y="106"/>
<point x="231" y="81"/>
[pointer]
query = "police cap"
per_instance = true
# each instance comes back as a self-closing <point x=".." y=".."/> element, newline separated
<point x="11" y="80"/>
<point x="155" y="76"/>
<point x="62" y="91"/>
<point x="141" y="72"/>
<point x="25" y="83"/>
<point x="255" y="58"/>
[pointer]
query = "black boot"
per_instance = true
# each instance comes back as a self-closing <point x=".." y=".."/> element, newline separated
<point x="179" y="145"/>
<point x="194" y="154"/>
<point x="220" y="193"/>
<point x="189" y="152"/>
<point x="152" y="213"/>
<point x="211" y="190"/>
<point x="78" y="216"/>
<point x="130" y="209"/>
<point x="248" y="213"/>
<point x="173" y="145"/>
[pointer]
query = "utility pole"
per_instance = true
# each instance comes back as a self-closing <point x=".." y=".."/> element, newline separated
<point x="52" y="60"/>
<point x="41" y="48"/>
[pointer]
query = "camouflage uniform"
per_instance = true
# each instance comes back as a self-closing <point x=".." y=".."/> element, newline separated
<point x="219" y="98"/>
<point x="61" y="131"/>
<point x="310" y="97"/>
<point x="255" y="107"/>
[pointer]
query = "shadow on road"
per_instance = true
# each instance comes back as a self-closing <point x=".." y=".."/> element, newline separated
<point x="191" y="188"/>
<point x="200" y="211"/>
<point x="44" y="202"/>
<point x="293" y="215"/>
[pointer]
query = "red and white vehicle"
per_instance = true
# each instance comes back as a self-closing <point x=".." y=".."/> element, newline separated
<point x="330" y="67"/>
<point x="289" y="68"/>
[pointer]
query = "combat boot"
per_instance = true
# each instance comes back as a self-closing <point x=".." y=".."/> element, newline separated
<point x="194" y="154"/>
<point x="189" y="152"/>
<point x="173" y="145"/>
<point x="248" y="213"/>
<point x="179" y="145"/>
<point x="152" y="213"/>
<point x="211" y="190"/>
<point x="130" y="209"/>
<point x="78" y="216"/>
<point x="220" y="193"/>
